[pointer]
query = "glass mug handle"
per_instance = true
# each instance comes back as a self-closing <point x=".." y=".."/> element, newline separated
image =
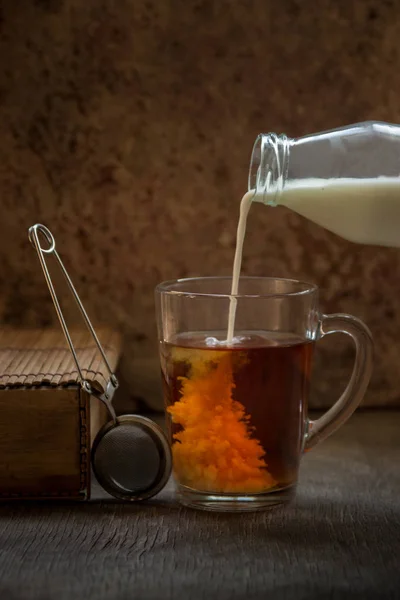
<point x="344" y="407"/>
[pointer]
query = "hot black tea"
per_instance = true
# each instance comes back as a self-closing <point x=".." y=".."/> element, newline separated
<point x="237" y="412"/>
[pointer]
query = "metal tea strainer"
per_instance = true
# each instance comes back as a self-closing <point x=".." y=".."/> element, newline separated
<point x="131" y="457"/>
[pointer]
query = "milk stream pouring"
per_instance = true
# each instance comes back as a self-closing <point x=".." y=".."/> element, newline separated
<point x="346" y="180"/>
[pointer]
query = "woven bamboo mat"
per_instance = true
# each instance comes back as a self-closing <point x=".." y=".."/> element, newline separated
<point x="37" y="357"/>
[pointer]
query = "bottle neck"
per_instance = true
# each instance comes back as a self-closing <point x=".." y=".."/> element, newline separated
<point x="268" y="167"/>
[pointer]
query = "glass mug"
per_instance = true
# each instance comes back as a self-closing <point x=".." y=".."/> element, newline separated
<point x="237" y="415"/>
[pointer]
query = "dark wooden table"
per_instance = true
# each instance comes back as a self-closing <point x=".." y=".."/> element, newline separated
<point x="339" y="539"/>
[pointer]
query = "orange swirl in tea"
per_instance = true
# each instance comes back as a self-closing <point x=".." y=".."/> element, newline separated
<point x="216" y="449"/>
<point x="238" y="413"/>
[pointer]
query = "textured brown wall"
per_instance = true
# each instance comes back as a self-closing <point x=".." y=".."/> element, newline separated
<point x="127" y="126"/>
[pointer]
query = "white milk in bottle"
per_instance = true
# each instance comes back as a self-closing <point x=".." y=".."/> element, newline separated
<point x="366" y="211"/>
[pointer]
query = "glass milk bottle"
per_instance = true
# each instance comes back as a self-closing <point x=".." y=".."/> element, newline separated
<point x="346" y="180"/>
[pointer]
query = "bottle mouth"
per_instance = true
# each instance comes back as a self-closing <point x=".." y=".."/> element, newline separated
<point x="269" y="165"/>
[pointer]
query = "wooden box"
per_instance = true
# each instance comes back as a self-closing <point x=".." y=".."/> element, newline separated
<point x="47" y="421"/>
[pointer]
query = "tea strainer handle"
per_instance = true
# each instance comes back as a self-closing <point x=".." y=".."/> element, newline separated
<point x="107" y="395"/>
